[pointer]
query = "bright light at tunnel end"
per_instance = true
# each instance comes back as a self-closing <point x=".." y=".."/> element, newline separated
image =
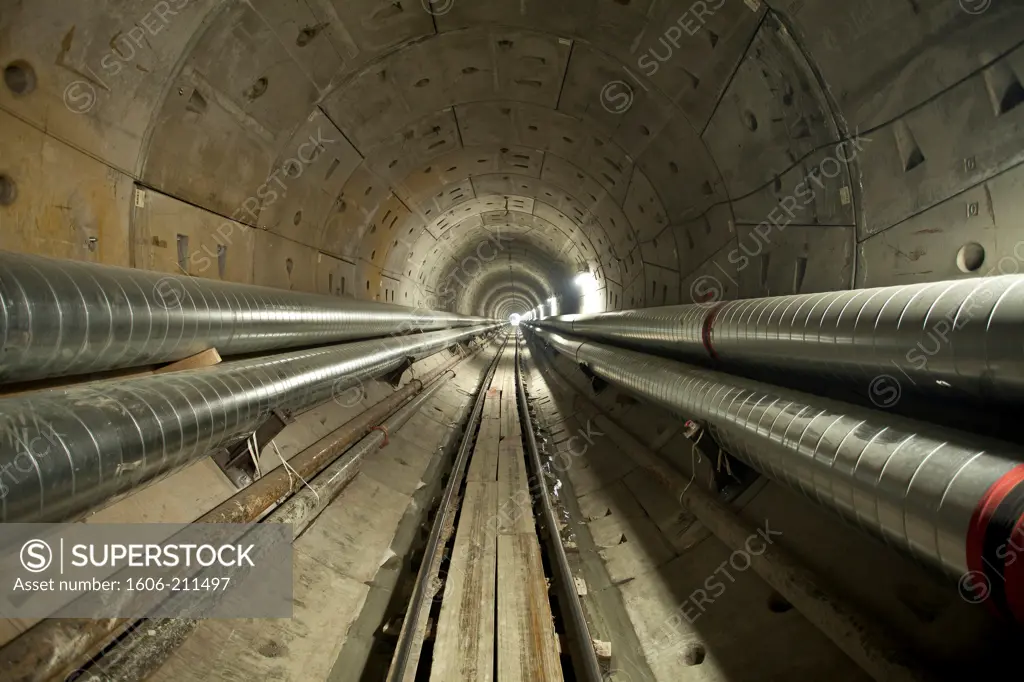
<point x="586" y="282"/>
<point x="514" y="319"/>
<point x="590" y="300"/>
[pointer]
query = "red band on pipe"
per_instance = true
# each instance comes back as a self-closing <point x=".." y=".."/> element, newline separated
<point x="706" y="331"/>
<point x="1014" y="572"/>
<point x="383" y="429"/>
<point x="983" y="513"/>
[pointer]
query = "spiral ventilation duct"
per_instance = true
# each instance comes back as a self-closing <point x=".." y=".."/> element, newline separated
<point x="930" y="493"/>
<point x="61" y="317"/>
<point x="952" y="338"/>
<point x="65" y="451"/>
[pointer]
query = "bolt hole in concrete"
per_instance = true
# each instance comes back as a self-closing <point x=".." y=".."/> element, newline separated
<point x="298" y="217"/>
<point x="1012" y="98"/>
<point x="970" y="257"/>
<point x="750" y="120"/>
<point x="272" y="649"/>
<point x="306" y="35"/>
<point x="258" y="89"/>
<point x="8" y="190"/>
<point x="778" y="604"/>
<point x="695" y="655"/>
<point x="20" y="77"/>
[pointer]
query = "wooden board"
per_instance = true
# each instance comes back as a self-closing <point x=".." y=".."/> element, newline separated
<point x="515" y="509"/>
<point x="206" y="358"/>
<point x="527" y="646"/>
<point x="492" y="404"/>
<point x="464" y="646"/>
<point x="496" y="588"/>
<point x="510" y="428"/>
<point x="499" y="375"/>
<point x="484" y="464"/>
<point x="509" y="413"/>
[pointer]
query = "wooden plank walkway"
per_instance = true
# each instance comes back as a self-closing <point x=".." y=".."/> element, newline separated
<point x="496" y="590"/>
<point x="526" y="633"/>
<point x="464" y="647"/>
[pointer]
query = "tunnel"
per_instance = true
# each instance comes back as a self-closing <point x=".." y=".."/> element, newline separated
<point x="625" y="340"/>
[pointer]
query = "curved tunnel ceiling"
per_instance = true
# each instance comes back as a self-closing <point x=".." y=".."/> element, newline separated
<point x="477" y="155"/>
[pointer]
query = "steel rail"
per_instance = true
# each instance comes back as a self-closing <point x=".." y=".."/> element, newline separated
<point x="586" y="665"/>
<point x="405" y="661"/>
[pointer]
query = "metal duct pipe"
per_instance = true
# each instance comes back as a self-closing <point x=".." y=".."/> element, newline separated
<point x="951" y="338"/>
<point x="136" y="658"/>
<point x="65" y="451"/>
<point x="61" y="317"/>
<point x="865" y="640"/>
<point x="52" y="647"/>
<point x="934" y="494"/>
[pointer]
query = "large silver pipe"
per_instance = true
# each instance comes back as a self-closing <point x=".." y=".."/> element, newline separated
<point x="60" y="317"/>
<point x="939" y="496"/>
<point x="956" y="338"/>
<point x="136" y="658"/>
<point x="66" y="451"/>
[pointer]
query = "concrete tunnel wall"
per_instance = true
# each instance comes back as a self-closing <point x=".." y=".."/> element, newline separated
<point x="477" y="155"/>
